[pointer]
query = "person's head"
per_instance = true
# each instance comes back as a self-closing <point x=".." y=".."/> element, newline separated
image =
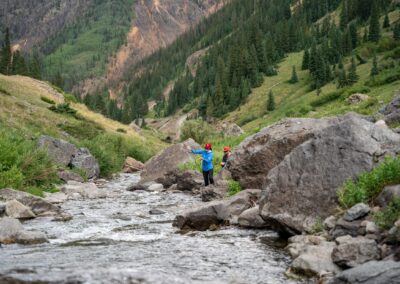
<point x="208" y="147"/>
<point x="227" y="149"/>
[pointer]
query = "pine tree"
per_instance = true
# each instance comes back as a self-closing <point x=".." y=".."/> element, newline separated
<point x="374" y="27"/>
<point x="5" y="63"/>
<point x="396" y="32"/>
<point x="35" y="68"/>
<point x="386" y="21"/>
<point x="294" y="79"/>
<point x="271" y="101"/>
<point x="306" y="60"/>
<point x="344" y="15"/>
<point x="342" y="80"/>
<point x="375" y="69"/>
<point x="352" y="77"/>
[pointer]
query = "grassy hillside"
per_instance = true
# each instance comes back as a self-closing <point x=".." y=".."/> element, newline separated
<point x="25" y="114"/>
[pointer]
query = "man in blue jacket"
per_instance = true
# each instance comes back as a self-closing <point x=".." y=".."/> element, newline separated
<point x="207" y="164"/>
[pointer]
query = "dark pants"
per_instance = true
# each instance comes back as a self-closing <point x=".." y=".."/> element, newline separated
<point x="208" y="177"/>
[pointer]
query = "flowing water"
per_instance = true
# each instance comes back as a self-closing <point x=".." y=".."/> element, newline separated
<point x="117" y="240"/>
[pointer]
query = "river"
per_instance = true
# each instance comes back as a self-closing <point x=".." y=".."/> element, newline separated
<point x="117" y="240"/>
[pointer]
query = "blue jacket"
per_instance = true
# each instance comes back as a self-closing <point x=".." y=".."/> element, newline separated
<point x="207" y="159"/>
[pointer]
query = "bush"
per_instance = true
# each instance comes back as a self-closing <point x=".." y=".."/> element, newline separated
<point x="384" y="78"/>
<point x="198" y="130"/>
<point x="5" y="92"/>
<point x="64" y="108"/>
<point x="47" y="100"/>
<point x="388" y="216"/>
<point x="323" y="100"/>
<point x="247" y="119"/>
<point x="121" y="130"/>
<point x="369" y="185"/>
<point x="70" y="98"/>
<point x="234" y="187"/>
<point x="394" y="54"/>
<point x="82" y="129"/>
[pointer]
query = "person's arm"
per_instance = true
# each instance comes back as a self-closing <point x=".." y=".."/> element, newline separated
<point x="198" y="152"/>
<point x="208" y="158"/>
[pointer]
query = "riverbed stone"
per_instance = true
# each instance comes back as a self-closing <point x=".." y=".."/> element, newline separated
<point x="37" y="204"/>
<point x="351" y="252"/>
<point x="132" y="165"/>
<point x="9" y="229"/>
<point x="189" y="180"/>
<point x="297" y="244"/>
<point x="66" y="176"/>
<point x="343" y="228"/>
<point x="303" y="187"/>
<point x="55" y="198"/>
<point x="89" y="190"/>
<point x="373" y="272"/>
<point x="213" y="192"/>
<point x="216" y="212"/>
<point x="330" y="222"/>
<point x="251" y="218"/>
<point x="17" y="210"/>
<point x="85" y="161"/>
<point x="155" y="187"/>
<point x="30" y="237"/>
<point x="356" y="212"/>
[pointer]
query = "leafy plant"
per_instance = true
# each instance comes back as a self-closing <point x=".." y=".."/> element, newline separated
<point x="198" y="130"/>
<point x="234" y="187"/>
<point x="63" y="108"/>
<point x="323" y="100"/>
<point x="121" y="130"/>
<point x="47" y="100"/>
<point x="388" y="216"/>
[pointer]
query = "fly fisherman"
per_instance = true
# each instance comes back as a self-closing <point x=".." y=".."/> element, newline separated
<point x="207" y="163"/>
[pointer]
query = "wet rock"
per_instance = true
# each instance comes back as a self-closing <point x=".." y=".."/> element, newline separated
<point x="356" y="212"/>
<point x="136" y="187"/>
<point x="60" y="151"/>
<point x="17" y="210"/>
<point x="343" y="228"/>
<point x="213" y="192"/>
<point x="297" y="244"/>
<point x="55" y="198"/>
<point x="37" y="204"/>
<point x="132" y="166"/>
<point x="315" y="260"/>
<point x="302" y="188"/>
<point x="387" y="195"/>
<point x="85" y="161"/>
<point x="189" y="180"/>
<point x="352" y="252"/>
<point x="251" y="218"/>
<point x="156" y="187"/>
<point x="68" y="175"/>
<point x="216" y="212"/>
<point x="357" y="98"/>
<point x="9" y="229"/>
<point x="89" y="190"/>
<point x="372" y="272"/>
<point x="168" y="160"/>
<point x="156" y="212"/>
<point x="30" y="238"/>
<point x="330" y="222"/>
<point x="63" y="217"/>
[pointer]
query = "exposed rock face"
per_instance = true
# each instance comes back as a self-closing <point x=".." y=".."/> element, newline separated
<point x="36" y="204"/>
<point x="392" y="111"/>
<point x="251" y="218"/>
<point x="189" y="181"/>
<point x="302" y="188"/>
<point x="132" y="166"/>
<point x="216" y="212"/>
<point x="11" y="231"/>
<point x="66" y="154"/>
<point x="157" y="168"/>
<point x="387" y="195"/>
<point x="17" y="210"/>
<point x="352" y="252"/>
<point x="251" y="162"/>
<point x="372" y="272"/>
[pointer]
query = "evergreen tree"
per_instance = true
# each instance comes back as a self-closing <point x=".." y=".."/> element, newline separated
<point x="374" y="27"/>
<point x="34" y="67"/>
<point x="5" y="63"/>
<point x="18" y="64"/>
<point x="386" y="21"/>
<point x="396" y="32"/>
<point x="306" y="60"/>
<point x="375" y="69"/>
<point x="352" y="77"/>
<point x="344" y="15"/>
<point x="271" y="101"/>
<point x="342" y="80"/>
<point x="294" y="79"/>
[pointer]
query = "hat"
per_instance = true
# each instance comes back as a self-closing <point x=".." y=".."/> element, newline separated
<point x="208" y="147"/>
<point x="227" y="149"/>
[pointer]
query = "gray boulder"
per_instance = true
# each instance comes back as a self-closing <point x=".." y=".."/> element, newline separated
<point x="2" y="208"/>
<point x="213" y="192"/>
<point x="251" y="218"/>
<point x="17" y="210"/>
<point x="392" y="111"/>
<point x="11" y="231"/>
<point x="189" y="180"/>
<point x="30" y="238"/>
<point x="373" y="272"/>
<point x="297" y="244"/>
<point x="344" y="228"/>
<point x="216" y="212"/>
<point x="68" y="175"/>
<point x="168" y="160"/>
<point x="55" y="198"/>
<point x="356" y="212"/>
<point x="37" y="204"/>
<point x="78" y="190"/>
<point x="387" y="195"/>
<point x="302" y="188"/>
<point x="85" y="161"/>
<point x="60" y="151"/>
<point x="352" y="252"/>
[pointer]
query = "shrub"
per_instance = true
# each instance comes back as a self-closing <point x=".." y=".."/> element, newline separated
<point x="70" y="98"/>
<point x="47" y="100"/>
<point x="198" y="130"/>
<point x="247" y="119"/>
<point x="82" y="129"/>
<point x="394" y="54"/>
<point x="370" y="184"/>
<point x="323" y="100"/>
<point x="64" y="108"/>
<point x="121" y="130"/>
<point x="388" y="216"/>
<point x="234" y="187"/>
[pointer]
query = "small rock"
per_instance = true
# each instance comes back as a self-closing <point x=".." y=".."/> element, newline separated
<point x="9" y="228"/>
<point x="352" y="252"/>
<point x="85" y="161"/>
<point x="136" y="187"/>
<point x="68" y="175"/>
<point x="356" y="212"/>
<point x="370" y="227"/>
<point x="63" y="217"/>
<point x="15" y="209"/>
<point x="132" y="166"/>
<point x="31" y="237"/>
<point x="213" y="192"/>
<point x="89" y="190"/>
<point x="156" y="187"/>
<point x="343" y="228"/>
<point x="156" y="212"/>
<point x="251" y="218"/>
<point x="297" y="244"/>
<point x="357" y="98"/>
<point x="330" y="222"/>
<point x="55" y="198"/>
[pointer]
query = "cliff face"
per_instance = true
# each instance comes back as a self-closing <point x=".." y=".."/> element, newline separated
<point x="156" y="25"/>
<point x="32" y="22"/>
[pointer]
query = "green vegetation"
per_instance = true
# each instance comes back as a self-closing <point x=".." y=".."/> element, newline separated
<point x="47" y="100"/>
<point x="318" y="226"/>
<point x="64" y="108"/>
<point x="271" y="101"/>
<point x="198" y="130"/>
<point x="23" y="166"/>
<point x="369" y="185"/>
<point x="234" y="187"/>
<point x="389" y="215"/>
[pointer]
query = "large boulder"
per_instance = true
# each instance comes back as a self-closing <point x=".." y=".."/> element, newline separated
<point x="213" y="192"/>
<point x="189" y="180"/>
<point x="352" y="252"/>
<point x="302" y="189"/>
<point x="66" y="154"/>
<point x="168" y="160"/>
<point x="251" y="218"/>
<point x="17" y="210"/>
<point x="11" y="231"/>
<point x="37" y="204"/>
<point x="132" y="166"/>
<point x="252" y="160"/>
<point x="78" y="190"/>
<point x="392" y="111"/>
<point x="217" y="212"/>
<point x="373" y="272"/>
